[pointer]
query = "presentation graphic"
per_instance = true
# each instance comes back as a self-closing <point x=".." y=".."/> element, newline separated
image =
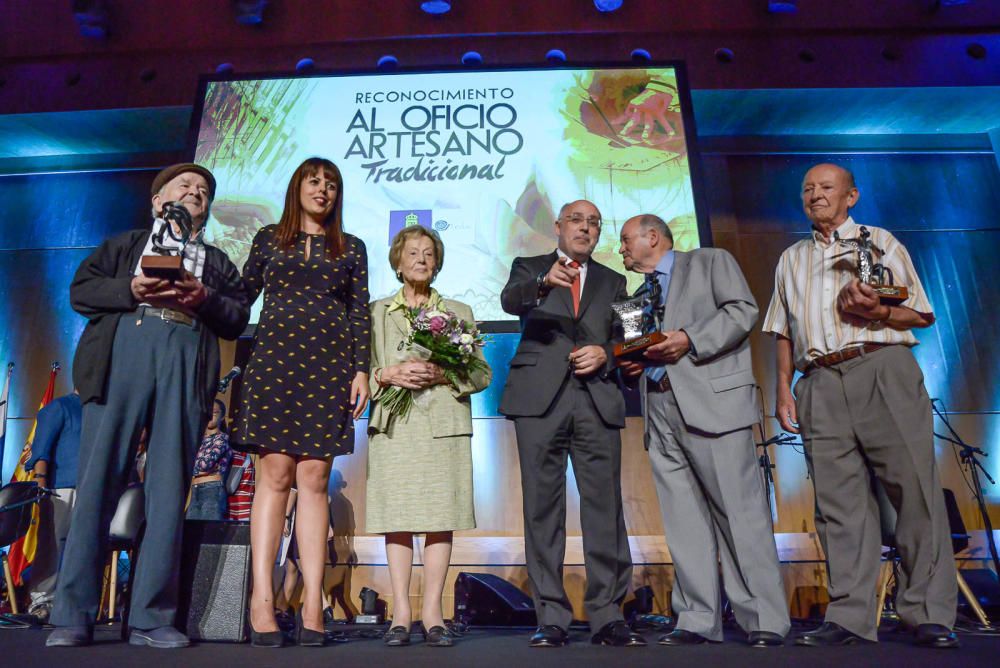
<point x="484" y="158"/>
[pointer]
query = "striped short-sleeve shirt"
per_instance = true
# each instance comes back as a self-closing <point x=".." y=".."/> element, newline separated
<point x="810" y="276"/>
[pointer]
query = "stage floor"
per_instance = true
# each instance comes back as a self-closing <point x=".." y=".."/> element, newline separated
<point x="506" y="648"/>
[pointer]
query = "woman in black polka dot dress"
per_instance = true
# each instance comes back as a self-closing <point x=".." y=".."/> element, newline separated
<point x="306" y="381"/>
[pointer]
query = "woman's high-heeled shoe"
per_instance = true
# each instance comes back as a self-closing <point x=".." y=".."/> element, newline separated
<point x="266" y="639"/>
<point x="307" y="637"/>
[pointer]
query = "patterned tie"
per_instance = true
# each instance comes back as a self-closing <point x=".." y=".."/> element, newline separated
<point x="654" y="373"/>
<point x="575" y="288"/>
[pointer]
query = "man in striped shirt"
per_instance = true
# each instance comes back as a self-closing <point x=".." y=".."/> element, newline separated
<point x="861" y="401"/>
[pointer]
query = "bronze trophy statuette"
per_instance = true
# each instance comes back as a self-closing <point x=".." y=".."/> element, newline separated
<point x="876" y="275"/>
<point x="640" y="318"/>
<point x="168" y="262"/>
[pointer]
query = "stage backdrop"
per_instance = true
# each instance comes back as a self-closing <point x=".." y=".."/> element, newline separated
<point x="485" y="158"/>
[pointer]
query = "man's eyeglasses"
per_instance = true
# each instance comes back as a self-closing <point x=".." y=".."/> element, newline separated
<point x="576" y="219"/>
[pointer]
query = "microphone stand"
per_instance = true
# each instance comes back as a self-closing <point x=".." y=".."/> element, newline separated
<point x="969" y="456"/>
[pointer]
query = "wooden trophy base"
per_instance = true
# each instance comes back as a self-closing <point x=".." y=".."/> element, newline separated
<point x="167" y="267"/>
<point x="893" y="295"/>
<point x="634" y="348"/>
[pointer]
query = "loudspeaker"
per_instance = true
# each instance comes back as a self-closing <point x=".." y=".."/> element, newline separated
<point x="487" y="600"/>
<point x="215" y="581"/>
<point x="985" y="587"/>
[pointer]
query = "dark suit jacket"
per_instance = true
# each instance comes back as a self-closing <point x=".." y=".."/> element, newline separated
<point x="101" y="292"/>
<point x="549" y="332"/>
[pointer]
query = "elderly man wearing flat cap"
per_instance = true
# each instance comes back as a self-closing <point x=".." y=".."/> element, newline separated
<point x="149" y="356"/>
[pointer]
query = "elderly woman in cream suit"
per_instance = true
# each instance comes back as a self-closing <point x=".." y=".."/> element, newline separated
<point x="420" y="464"/>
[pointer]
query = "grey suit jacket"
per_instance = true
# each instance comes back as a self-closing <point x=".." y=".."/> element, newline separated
<point x="709" y="299"/>
<point x="549" y="332"/>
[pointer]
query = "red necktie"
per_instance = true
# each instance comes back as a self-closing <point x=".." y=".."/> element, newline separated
<point x="575" y="288"/>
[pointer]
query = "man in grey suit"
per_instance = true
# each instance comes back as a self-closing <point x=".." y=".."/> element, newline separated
<point x="697" y="391"/>
<point x="563" y="396"/>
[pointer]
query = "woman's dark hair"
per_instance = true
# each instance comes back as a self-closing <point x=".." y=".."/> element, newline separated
<point x="291" y="217"/>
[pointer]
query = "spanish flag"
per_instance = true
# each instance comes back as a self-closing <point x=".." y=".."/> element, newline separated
<point x="22" y="551"/>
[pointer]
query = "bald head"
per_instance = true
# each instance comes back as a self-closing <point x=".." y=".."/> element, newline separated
<point x="828" y="193"/>
<point x="644" y="240"/>
<point x="578" y="229"/>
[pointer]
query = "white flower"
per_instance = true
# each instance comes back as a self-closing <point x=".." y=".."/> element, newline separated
<point x="465" y="339"/>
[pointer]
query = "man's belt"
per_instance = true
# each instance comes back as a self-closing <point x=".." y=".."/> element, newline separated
<point x="168" y="315"/>
<point x="661" y="385"/>
<point x="834" y="358"/>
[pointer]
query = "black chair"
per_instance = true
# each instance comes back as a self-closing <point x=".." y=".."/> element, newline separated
<point x="17" y="501"/>
<point x="124" y="535"/>
<point x="959" y="541"/>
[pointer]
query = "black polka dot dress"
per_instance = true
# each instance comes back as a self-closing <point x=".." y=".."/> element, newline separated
<point x="312" y="338"/>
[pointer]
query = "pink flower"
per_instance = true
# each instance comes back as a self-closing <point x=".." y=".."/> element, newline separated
<point x="438" y="324"/>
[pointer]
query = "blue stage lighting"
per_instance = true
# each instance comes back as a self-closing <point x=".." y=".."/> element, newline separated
<point x="387" y="62"/>
<point x="250" y="12"/>
<point x="304" y="65"/>
<point x="555" y="56"/>
<point x="472" y="59"/>
<point x="782" y="6"/>
<point x="436" y="6"/>
<point x="641" y="56"/>
<point x="224" y="68"/>
<point x="608" y="5"/>
<point x="92" y="17"/>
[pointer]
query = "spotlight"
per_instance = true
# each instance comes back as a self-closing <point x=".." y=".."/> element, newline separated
<point x="249" y="12"/>
<point x="641" y="56"/>
<point x="224" y="68"/>
<point x="608" y="5"/>
<point x="371" y="610"/>
<point x="472" y="59"/>
<point x="436" y="6"/>
<point x="91" y="17"/>
<point x="976" y="50"/>
<point x="724" y="55"/>
<point x="387" y="63"/>
<point x="782" y="6"/>
<point x="305" y="65"/>
<point x="555" y="56"/>
<point x="891" y="53"/>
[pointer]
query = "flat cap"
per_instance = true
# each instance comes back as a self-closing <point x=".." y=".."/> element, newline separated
<point x="167" y="174"/>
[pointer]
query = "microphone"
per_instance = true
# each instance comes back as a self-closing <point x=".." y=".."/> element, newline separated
<point x="780" y="439"/>
<point x="228" y="378"/>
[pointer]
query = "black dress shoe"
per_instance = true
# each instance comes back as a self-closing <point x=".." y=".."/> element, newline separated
<point x="307" y="637"/>
<point x="829" y="634"/>
<point x="437" y="636"/>
<point x="397" y="636"/>
<point x="765" y="639"/>
<point x="682" y="637"/>
<point x="548" y="636"/>
<point x="618" y="634"/>
<point x="936" y="636"/>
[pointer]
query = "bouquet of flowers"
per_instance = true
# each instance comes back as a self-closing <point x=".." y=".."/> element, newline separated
<point x="440" y="337"/>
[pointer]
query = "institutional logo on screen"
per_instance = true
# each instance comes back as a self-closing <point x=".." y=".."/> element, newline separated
<point x="407" y="217"/>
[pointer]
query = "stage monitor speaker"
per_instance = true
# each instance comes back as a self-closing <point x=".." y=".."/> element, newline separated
<point x="487" y="600"/>
<point x="985" y="587"/>
<point x="215" y="581"/>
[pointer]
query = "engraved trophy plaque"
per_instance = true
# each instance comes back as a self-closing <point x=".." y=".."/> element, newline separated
<point x="641" y="319"/>
<point x="168" y="262"/>
<point x="877" y="275"/>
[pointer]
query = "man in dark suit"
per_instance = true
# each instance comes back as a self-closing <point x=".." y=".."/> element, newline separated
<point x="563" y="396"/>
